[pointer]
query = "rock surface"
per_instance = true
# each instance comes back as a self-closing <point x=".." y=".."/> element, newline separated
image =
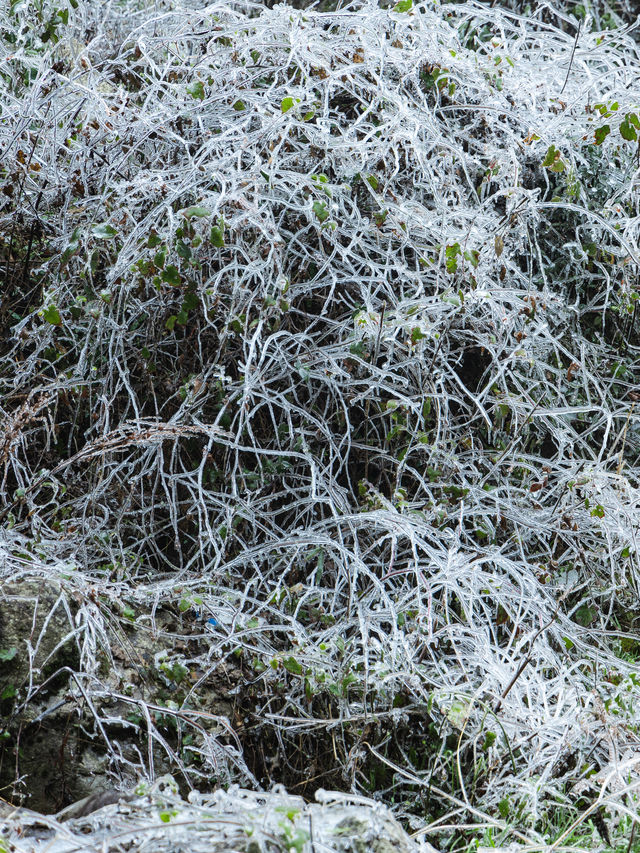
<point x="61" y="711"/>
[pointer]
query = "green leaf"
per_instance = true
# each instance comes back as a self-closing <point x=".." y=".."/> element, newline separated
<point x="239" y="106"/>
<point x="451" y="256"/>
<point x="286" y="104"/>
<point x="292" y="666"/>
<point x="8" y="654"/>
<point x="633" y="119"/>
<point x="104" y="231"/>
<point x="217" y="236"/>
<point x="72" y="248"/>
<point x="551" y="156"/>
<point x="52" y="315"/>
<point x="585" y="615"/>
<point x="473" y="256"/>
<point x="628" y="131"/>
<point x="601" y="133"/>
<point x="191" y="301"/>
<point x="403" y="6"/>
<point x="171" y="275"/>
<point x="171" y="322"/>
<point x="429" y="79"/>
<point x="196" y="90"/>
<point x="489" y="740"/>
<point x="320" y="210"/>
<point x="183" y="250"/>
<point x="8" y="693"/>
<point x="196" y="210"/>
<point x="372" y="181"/>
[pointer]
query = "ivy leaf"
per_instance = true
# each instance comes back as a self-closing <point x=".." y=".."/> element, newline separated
<point x="551" y="156"/>
<point x="217" y="236"/>
<point x="585" y="615"/>
<point x="473" y="256"/>
<point x="320" y="210"/>
<point x="171" y="275"/>
<point x="52" y="315"/>
<point x="196" y="90"/>
<point x="628" y="131"/>
<point x="183" y="250"/>
<point x="191" y="301"/>
<point x="292" y="665"/>
<point x="451" y="257"/>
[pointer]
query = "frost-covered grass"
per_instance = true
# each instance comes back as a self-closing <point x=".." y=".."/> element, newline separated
<point x="323" y="326"/>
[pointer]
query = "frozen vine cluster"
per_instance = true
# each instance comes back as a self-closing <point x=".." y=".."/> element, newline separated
<point x="323" y="328"/>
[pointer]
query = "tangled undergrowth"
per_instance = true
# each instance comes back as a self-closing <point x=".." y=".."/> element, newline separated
<point x="319" y="336"/>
